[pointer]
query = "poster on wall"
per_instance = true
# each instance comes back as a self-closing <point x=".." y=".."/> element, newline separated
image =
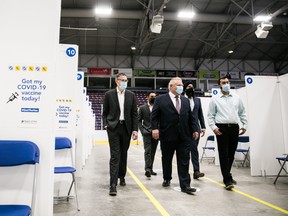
<point x="192" y="74"/>
<point x="234" y="75"/>
<point x="127" y="71"/>
<point x="100" y="71"/>
<point x="144" y="73"/>
<point x="25" y="95"/>
<point x="166" y="73"/>
<point x="209" y="74"/>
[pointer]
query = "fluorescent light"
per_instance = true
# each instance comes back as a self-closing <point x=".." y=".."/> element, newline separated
<point x="262" y="18"/>
<point x="230" y="51"/>
<point x="133" y="48"/>
<point x="186" y="14"/>
<point x="103" y="10"/>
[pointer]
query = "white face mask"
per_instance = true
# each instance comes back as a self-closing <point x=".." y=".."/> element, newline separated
<point x="179" y="90"/>
<point x="226" y="87"/>
<point x="123" y="85"/>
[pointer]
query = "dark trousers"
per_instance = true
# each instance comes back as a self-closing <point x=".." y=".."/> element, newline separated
<point x="150" y="146"/>
<point x="227" y="144"/>
<point x="183" y="160"/>
<point x="119" y="142"/>
<point x="195" y="154"/>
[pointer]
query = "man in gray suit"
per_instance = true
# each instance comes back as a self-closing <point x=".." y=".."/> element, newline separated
<point x="150" y="144"/>
<point x="120" y="121"/>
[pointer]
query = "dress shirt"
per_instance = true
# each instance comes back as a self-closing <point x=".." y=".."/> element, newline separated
<point x="150" y="107"/>
<point x="192" y="104"/>
<point x="226" y="109"/>
<point x="121" y="98"/>
<point x="173" y="98"/>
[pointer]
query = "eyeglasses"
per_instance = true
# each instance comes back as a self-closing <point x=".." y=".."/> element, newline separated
<point x="123" y="80"/>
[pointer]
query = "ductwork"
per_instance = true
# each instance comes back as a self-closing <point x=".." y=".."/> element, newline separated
<point x="172" y="16"/>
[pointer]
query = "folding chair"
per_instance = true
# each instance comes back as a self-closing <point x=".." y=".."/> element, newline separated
<point x="62" y="143"/>
<point x="282" y="161"/>
<point x="244" y="151"/>
<point x="209" y="147"/>
<point x="16" y="153"/>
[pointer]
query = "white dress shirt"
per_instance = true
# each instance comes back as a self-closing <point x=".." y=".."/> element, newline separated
<point x="121" y="99"/>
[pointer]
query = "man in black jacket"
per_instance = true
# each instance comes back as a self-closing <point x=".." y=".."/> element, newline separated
<point x="172" y="121"/>
<point x="120" y="121"/>
<point x="150" y="144"/>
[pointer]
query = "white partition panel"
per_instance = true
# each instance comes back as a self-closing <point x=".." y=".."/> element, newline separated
<point x="28" y="40"/>
<point x="65" y="124"/>
<point x="265" y="123"/>
<point x="284" y="107"/>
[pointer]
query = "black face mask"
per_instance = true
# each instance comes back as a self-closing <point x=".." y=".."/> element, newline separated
<point x="190" y="92"/>
<point x="151" y="100"/>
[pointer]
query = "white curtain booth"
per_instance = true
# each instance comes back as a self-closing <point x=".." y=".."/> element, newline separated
<point x="267" y="110"/>
<point x="29" y="47"/>
<point x="65" y="124"/>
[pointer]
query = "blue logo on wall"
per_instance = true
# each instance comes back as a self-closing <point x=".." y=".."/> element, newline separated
<point x="249" y="80"/>
<point x="70" y="52"/>
<point x="79" y="76"/>
<point x="215" y="92"/>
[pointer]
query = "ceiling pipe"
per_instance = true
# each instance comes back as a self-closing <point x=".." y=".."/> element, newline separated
<point x="172" y="16"/>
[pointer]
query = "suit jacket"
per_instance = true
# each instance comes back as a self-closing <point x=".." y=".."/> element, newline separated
<point x="144" y="120"/>
<point x="111" y="110"/>
<point x="172" y="125"/>
<point x="198" y="113"/>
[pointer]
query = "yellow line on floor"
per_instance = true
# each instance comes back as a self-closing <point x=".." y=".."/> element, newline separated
<point x="251" y="197"/>
<point x="148" y="194"/>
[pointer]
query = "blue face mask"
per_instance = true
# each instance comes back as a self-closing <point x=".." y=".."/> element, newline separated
<point x="226" y="88"/>
<point x="179" y="90"/>
<point x="123" y="85"/>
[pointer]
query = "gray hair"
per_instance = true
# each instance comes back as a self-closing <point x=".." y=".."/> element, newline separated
<point x="173" y="81"/>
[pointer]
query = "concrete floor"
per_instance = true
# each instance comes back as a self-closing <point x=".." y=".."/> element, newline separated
<point x="141" y="196"/>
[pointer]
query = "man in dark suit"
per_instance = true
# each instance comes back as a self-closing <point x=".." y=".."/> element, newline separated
<point x="120" y="121"/>
<point x="150" y="144"/>
<point x="196" y="108"/>
<point x="172" y="121"/>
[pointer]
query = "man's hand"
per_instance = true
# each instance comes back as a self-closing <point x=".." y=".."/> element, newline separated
<point x="217" y="132"/>
<point x="242" y="131"/>
<point x="134" y="135"/>
<point x="202" y="132"/>
<point x="195" y="135"/>
<point x="155" y="134"/>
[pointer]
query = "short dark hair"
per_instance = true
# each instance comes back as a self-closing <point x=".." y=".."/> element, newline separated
<point x="224" y="77"/>
<point x="120" y="74"/>
<point x="149" y="92"/>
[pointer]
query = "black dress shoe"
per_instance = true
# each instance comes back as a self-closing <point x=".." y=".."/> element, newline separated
<point x="234" y="182"/>
<point x="188" y="190"/>
<point x="113" y="191"/>
<point x="122" y="182"/>
<point x="198" y="174"/>
<point x="166" y="183"/>
<point x="153" y="173"/>
<point x="229" y="186"/>
<point x="148" y="174"/>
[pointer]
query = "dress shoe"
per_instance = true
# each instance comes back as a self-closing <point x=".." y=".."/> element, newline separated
<point x="148" y="174"/>
<point x="198" y="174"/>
<point x="188" y="190"/>
<point x="234" y="182"/>
<point x="229" y="186"/>
<point x="153" y="173"/>
<point x="113" y="191"/>
<point x="122" y="182"/>
<point x="166" y="183"/>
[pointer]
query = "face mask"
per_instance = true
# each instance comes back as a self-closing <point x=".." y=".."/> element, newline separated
<point x="226" y="88"/>
<point x="123" y="85"/>
<point x="151" y="100"/>
<point x="179" y="90"/>
<point x="190" y="92"/>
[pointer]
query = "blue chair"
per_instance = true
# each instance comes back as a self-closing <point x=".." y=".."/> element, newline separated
<point x="62" y="143"/>
<point x="282" y="161"/>
<point x="244" y="151"/>
<point x="16" y="153"/>
<point x="208" y="146"/>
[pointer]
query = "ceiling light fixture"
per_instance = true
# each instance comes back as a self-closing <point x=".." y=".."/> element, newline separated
<point x="156" y="24"/>
<point x="133" y="48"/>
<point x="186" y="14"/>
<point x="262" y="18"/>
<point x="230" y="51"/>
<point x="262" y="30"/>
<point x="103" y="10"/>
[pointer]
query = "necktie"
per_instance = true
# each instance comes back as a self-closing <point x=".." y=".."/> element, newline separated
<point x="177" y="104"/>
